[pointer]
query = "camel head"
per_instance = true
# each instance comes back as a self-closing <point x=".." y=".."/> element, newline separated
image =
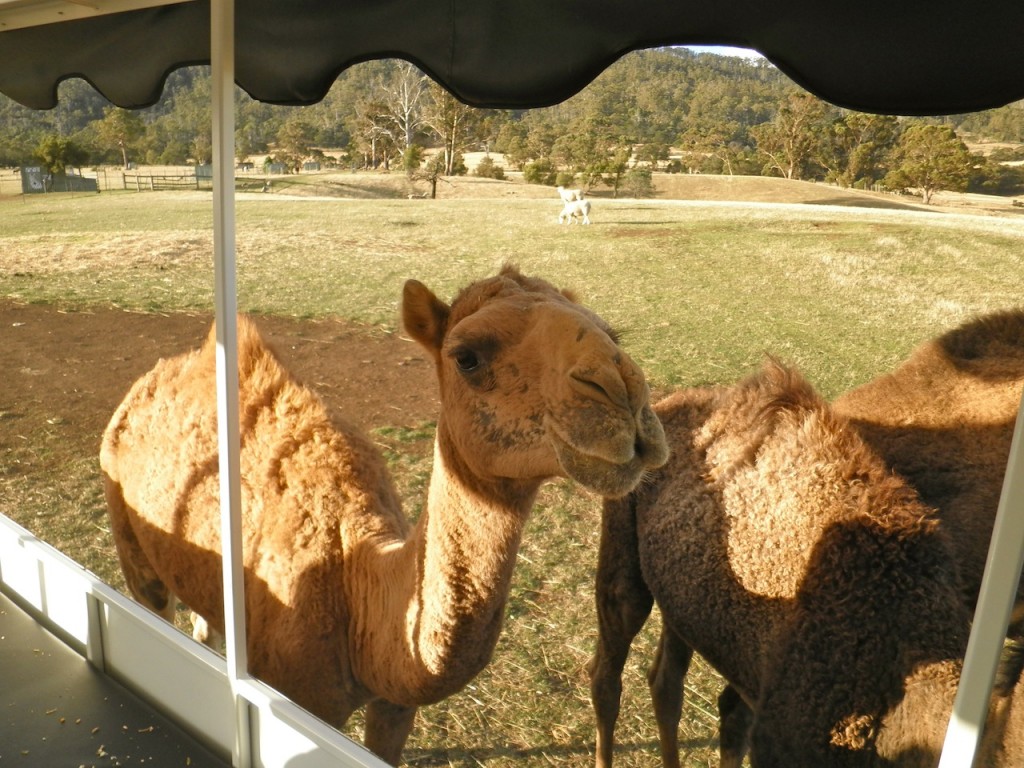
<point x="534" y="385"/>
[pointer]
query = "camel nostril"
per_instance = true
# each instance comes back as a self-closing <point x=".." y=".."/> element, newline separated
<point x="589" y="386"/>
<point x="599" y="386"/>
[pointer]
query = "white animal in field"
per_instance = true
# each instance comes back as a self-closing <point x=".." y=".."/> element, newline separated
<point x="573" y="210"/>
<point x="568" y="195"/>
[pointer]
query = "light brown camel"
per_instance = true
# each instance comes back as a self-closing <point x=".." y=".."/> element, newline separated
<point x="346" y="603"/>
<point x="780" y="547"/>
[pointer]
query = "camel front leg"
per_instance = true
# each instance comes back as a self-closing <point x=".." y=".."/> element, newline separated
<point x="143" y="582"/>
<point x="665" y="678"/>
<point x="387" y="728"/>
<point x="623" y="605"/>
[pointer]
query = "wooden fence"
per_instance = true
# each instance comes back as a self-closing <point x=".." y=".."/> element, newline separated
<point x="157" y="183"/>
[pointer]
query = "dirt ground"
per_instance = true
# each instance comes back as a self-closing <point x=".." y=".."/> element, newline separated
<point x="69" y="370"/>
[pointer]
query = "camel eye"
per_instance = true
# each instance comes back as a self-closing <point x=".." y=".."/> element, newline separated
<point x="466" y="359"/>
<point x="473" y="355"/>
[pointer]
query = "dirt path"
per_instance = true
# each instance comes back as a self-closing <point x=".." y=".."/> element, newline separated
<point x="74" y="367"/>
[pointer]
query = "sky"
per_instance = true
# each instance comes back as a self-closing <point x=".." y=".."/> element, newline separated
<point x="724" y="50"/>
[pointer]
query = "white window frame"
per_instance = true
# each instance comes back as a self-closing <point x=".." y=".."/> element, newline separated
<point x="255" y="703"/>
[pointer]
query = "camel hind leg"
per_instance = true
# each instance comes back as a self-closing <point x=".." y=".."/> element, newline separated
<point x="143" y="582"/>
<point x="623" y="605"/>
<point x="666" y="677"/>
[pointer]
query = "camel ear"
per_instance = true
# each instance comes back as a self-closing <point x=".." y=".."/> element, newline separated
<point x="424" y="316"/>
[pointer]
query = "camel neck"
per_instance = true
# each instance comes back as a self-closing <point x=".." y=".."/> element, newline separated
<point x="446" y="586"/>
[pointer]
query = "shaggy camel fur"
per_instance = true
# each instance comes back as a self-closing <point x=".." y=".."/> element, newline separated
<point x="782" y="549"/>
<point x="346" y="604"/>
<point x="944" y="420"/>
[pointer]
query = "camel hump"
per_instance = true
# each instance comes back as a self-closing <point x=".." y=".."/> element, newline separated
<point x="994" y="341"/>
<point x="256" y="357"/>
<point x="250" y="342"/>
<point x="775" y="405"/>
<point x="782" y="389"/>
<point x="758" y="404"/>
<point x="188" y="378"/>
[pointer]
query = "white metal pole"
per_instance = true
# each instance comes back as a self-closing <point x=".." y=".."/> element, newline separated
<point x="222" y="59"/>
<point x="995" y="604"/>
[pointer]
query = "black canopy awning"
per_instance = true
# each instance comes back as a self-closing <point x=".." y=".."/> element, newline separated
<point x="895" y="56"/>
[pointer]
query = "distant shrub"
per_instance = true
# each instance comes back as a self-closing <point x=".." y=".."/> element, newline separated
<point x="435" y="165"/>
<point x="488" y="169"/>
<point x="565" y="179"/>
<point x="637" y="183"/>
<point x="459" y="167"/>
<point x="995" y="179"/>
<point x="412" y="158"/>
<point x="1007" y="154"/>
<point x="540" y="172"/>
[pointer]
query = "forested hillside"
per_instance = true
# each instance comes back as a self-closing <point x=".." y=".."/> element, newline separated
<point x="667" y="109"/>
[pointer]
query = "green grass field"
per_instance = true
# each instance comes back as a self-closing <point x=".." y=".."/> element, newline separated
<point x="701" y="291"/>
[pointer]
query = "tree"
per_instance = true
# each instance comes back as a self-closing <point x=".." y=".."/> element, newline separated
<point x="403" y="95"/>
<point x="929" y="158"/>
<point x="453" y="122"/>
<point x="790" y="139"/>
<point x="512" y="142"/>
<point x="432" y="172"/>
<point x="188" y="127"/>
<point x="256" y="126"/>
<point x="541" y="171"/>
<point x="872" y="138"/>
<point x="994" y="178"/>
<point x="294" y="141"/>
<point x="374" y="131"/>
<point x="541" y="135"/>
<point x="855" y="148"/>
<point x="616" y="168"/>
<point x="412" y="159"/>
<point x="120" y="129"/>
<point x="488" y="169"/>
<point x="652" y="153"/>
<point x="56" y="153"/>
<point x="712" y="126"/>
<point x="584" y="152"/>
<point x="637" y="183"/>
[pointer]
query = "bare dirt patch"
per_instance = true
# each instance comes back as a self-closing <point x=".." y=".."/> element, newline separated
<point x="66" y="372"/>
